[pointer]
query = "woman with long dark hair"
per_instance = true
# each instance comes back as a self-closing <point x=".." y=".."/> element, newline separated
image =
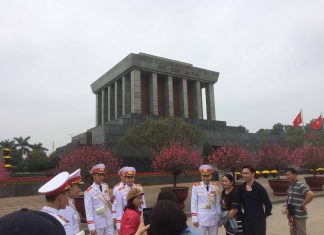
<point x="168" y="218"/>
<point x="230" y="202"/>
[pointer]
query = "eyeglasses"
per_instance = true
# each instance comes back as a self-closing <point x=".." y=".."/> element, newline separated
<point x="205" y="175"/>
<point x="129" y="177"/>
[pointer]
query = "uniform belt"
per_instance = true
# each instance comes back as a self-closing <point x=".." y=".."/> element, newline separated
<point x="208" y="207"/>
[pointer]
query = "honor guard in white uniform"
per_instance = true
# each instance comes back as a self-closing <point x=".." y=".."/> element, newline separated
<point x="205" y="203"/>
<point x="129" y="176"/>
<point x="98" y="204"/>
<point x="70" y="212"/>
<point x="56" y="192"/>
<point x="116" y="189"/>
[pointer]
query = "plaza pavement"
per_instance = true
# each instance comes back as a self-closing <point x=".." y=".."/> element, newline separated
<point x="277" y="223"/>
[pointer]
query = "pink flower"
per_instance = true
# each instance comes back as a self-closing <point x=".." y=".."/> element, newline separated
<point x="85" y="157"/>
<point x="232" y="158"/>
<point x="178" y="157"/>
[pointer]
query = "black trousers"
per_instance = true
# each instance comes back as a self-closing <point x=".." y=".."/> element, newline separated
<point x="254" y="227"/>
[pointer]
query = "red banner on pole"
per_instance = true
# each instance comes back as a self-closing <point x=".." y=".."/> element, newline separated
<point x="298" y="120"/>
<point x="318" y="123"/>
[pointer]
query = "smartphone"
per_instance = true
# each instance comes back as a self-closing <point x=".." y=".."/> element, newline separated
<point x="147" y="215"/>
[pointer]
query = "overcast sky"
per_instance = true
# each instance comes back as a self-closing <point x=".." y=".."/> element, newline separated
<point x="270" y="55"/>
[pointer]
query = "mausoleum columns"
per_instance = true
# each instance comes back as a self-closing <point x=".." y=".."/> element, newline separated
<point x="183" y="92"/>
<point x="111" y="92"/>
<point x="210" y="101"/>
<point x="135" y="91"/>
<point x="197" y="101"/>
<point x="116" y="99"/>
<point x="164" y="96"/>
<point x="104" y="105"/>
<point x="153" y="96"/>
<point x="169" y="96"/>
<point x="98" y="108"/>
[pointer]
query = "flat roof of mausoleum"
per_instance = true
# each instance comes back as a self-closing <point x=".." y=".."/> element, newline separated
<point x="156" y="64"/>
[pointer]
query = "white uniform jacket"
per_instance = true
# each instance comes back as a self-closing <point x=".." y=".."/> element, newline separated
<point x="72" y="215"/>
<point x="55" y="213"/>
<point x="98" y="207"/>
<point x="115" y="191"/>
<point x="205" y="205"/>
<point x="121" y="202"/>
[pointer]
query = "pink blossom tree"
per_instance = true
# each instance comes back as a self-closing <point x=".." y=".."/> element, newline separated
<point x="274" y="157"/>
<point x="85" y="157"/>
<point x="177" y="158"/>
<point x="232" y="158"/>
<point x="309" y="157"/>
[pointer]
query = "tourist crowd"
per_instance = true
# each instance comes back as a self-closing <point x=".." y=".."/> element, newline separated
<point x="241" y="209"/>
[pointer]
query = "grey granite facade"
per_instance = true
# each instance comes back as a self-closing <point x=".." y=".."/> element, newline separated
<point x="144" y="87"/>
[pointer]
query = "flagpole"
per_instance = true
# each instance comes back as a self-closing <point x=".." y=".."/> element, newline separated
<point x="322" y="121"/>
<point x="302" y="116"/>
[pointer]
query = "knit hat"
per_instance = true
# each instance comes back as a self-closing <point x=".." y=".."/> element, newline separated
<point x="134" y="192"/>
<point x="30" y="222"/>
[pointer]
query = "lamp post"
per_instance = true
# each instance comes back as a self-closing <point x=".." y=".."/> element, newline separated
<point x="6" y="158"/>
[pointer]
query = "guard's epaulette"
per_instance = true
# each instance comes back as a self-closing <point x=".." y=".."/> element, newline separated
<point x="88" y="189"/>
<point x="196" y="183"/>
<point x="64" y="219"/>
<point x="121" y="188"/>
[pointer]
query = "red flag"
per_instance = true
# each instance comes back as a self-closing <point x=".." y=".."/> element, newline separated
<point x="298" y="120"/>
<point x="318" y="123"/>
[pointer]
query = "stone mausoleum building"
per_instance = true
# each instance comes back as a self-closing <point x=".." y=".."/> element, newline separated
<point x="143" y="87"/>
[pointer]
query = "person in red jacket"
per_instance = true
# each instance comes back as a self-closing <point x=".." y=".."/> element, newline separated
<point x="132" y="216"/>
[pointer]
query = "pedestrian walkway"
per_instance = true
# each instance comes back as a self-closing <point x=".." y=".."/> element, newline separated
<point x="277" y="223"/>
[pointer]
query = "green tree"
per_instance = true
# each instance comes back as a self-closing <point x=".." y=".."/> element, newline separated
<point x="8" y="144"/>
<point x="38" y="146"/>
<point x="156" y="134"/>
<point x="207" y="150"/>
<point x="36" y="161"/>
<point x="263" y="132"/>
<point x="22" y="144"/>
<point x="294" y="137"/>
<point x="277" y="129"/>
<point x="53" y="160"/>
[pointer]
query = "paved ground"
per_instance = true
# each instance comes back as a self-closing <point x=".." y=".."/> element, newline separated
<point x="277" y="223"/>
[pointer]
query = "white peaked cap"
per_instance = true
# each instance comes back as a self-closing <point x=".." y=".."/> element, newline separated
<point x="99" y="168"/>
<point x="121" y="170"/>
<point x="129" y="171"/>
<point x="75" y="177"/>
<point x="56" y="185"/>
<point x="206" y="169"/>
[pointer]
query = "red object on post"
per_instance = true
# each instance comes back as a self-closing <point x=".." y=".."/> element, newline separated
<point x="298" y="120"/>
<point x="318" y="123"/>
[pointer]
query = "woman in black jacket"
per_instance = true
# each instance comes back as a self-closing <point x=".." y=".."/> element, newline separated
<point x="230" y="202"/>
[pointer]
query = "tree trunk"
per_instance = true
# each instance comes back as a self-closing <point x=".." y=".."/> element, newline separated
<point x="175" y="174"/>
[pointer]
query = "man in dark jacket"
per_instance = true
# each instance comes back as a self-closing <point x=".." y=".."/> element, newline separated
<point x="255" y="203"/>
